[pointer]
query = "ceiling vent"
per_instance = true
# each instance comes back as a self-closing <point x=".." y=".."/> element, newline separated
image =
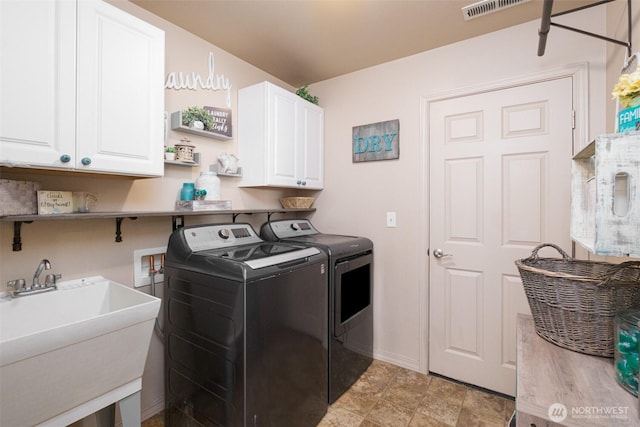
<point x="488" y="6"/>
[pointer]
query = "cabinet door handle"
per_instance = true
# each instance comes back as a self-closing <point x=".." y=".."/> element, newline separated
<point x="65" y="158"/>
<point x="304" y="182"/>
<point x="86" y="161"/>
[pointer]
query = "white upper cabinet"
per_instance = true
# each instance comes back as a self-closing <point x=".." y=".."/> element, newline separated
<point x="37" y="82"/>
<point x="81" y="88"/>
<point x="280" y="139"/>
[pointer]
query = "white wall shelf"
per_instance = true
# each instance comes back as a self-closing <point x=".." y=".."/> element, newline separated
<point x="216" y="168"/>
<point x="196" y="161"/>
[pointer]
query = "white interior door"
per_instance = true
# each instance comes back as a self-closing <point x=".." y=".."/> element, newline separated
<point x="499" y="184"/>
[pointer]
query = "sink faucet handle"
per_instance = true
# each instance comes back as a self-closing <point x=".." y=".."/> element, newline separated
<point x="51" y="279"/>
<point x="17" y="284"/>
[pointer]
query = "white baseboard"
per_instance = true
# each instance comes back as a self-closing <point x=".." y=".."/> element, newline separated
<point x="395" y="359"/>
<point x="152" y="409"/>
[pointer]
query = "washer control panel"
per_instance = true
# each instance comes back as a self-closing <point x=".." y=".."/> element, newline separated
<point x="219" y="236"/>
<point x="287" y="228"/>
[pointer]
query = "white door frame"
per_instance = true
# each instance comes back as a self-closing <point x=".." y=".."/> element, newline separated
<point x="580" y="76"/>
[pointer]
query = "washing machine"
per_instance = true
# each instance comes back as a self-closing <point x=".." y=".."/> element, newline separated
<point x="350" y="308"/>
<point x="245" y="329"/>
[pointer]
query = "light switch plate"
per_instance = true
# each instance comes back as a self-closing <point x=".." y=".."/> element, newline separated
<point x="391" y="219"/>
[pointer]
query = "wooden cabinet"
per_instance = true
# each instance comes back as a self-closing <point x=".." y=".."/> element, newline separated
<point x="605" y="195"/>
<point x="82" y="88"/>
<point x="280" y="139"/>
<point x="559" y="387"/>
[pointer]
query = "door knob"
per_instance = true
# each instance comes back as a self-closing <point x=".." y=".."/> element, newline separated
<point x="439" y="253"/>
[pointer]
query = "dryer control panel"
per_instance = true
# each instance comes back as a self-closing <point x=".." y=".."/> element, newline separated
<point x="287" y="228"/>
<point x="219" y="236"/>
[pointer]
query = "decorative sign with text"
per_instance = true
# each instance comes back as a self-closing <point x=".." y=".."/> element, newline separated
<point x="55" y="202"/>
<point x="221" y="120"/>
<point x="195" y="81"/>
<point x="376" y="141"/>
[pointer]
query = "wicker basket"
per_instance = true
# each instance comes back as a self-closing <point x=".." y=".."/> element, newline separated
<point x="574" y="302"/>
<point x="296" y="202"/>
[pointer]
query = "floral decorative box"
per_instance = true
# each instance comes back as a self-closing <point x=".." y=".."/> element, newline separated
<point x="18" y="197"/>
<point x="627" y="93"/>
<point x="628" y="119"/>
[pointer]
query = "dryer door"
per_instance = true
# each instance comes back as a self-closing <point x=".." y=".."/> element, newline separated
<point x="353" y="292"/>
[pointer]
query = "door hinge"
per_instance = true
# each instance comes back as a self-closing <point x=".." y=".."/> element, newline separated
<point x="573" y="119"/>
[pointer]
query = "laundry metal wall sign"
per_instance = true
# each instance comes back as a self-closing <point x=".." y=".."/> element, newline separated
<point x="194" y="81"/>
<point x="376" y="141"/>
<point x="221" y="120"/>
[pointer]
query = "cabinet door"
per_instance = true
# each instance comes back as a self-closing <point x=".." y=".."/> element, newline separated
<point x="120" y="92"/>
<point x="310" y="173"/>
<point x="283" y="134"/>
<point x="37" y="83"/>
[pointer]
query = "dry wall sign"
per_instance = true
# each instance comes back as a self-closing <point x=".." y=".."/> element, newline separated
<point x="376" y="141"/>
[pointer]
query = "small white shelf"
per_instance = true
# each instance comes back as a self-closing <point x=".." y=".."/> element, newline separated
<point x="176" y="124"/>
<point x="196" y="161"/>
<point x="216" y="168"/>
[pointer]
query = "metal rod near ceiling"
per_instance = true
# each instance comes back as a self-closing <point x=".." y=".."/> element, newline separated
<point x="546" y="23"/>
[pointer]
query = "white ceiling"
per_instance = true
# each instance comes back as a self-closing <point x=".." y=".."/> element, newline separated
<point x="306" y="41"/>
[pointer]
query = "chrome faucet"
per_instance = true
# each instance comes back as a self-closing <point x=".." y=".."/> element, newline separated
<point x="19" y="287"/>
<point x="44" y="265"/>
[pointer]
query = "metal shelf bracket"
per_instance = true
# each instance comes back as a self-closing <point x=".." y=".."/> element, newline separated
<point x="177" y="221"/>
<point x="271" y="213"/>
<point x="235" y="215"/>
<point x="17" y="238"/>
<point x="119" y="227"/>
<point x="545" y="25"/>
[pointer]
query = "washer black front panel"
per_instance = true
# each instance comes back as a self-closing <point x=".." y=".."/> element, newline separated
<point x="204" y="350"/>
<point x="246" y="353"/>
<point x="286" y="357"/>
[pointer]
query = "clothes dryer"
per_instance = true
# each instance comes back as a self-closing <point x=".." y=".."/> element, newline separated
<point x="350" y="308"/>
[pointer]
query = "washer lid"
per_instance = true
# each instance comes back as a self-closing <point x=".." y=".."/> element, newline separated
<point x="259" y="255"/>
<point x="281" y="258"/>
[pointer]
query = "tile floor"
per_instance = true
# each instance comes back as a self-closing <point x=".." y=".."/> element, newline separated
<point x="389" y="396"/>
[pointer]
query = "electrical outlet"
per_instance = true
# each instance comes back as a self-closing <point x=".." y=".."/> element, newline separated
<point x="391" y="219"/>
<point x="141" y="265"/>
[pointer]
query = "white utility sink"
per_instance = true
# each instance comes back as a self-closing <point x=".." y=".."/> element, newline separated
<point x="70" y="352"/>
